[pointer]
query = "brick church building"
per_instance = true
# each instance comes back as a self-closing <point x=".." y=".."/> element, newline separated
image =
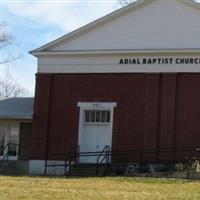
<point x="129" y="81"/>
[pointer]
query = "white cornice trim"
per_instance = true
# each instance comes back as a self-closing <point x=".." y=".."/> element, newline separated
<point x="116" y="52"/>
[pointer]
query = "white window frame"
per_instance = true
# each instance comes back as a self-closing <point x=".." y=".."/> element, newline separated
<point x="101" y="106"/>
<point x="97" y="123"/>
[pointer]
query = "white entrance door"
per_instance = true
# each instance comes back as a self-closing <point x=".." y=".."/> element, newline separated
<point x="95" y="129"/>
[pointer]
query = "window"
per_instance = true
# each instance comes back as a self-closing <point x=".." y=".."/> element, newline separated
<point x="97" y="116"/>
<point x="13" y="140"/>
<point x="9" y="136"/>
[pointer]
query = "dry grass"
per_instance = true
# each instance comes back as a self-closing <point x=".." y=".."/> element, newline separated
<point x="39" y="188"/>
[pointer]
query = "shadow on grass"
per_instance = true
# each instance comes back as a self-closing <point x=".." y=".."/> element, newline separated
<point x="111" y="178"/>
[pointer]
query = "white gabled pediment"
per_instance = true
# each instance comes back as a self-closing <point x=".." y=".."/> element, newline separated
<point x="147" y="24"/>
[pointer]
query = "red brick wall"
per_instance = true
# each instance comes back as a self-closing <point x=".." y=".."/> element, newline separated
<point x="154" y="111"/>
<point x="40" y="116"/>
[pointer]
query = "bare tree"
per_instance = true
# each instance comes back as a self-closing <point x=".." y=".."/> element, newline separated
<point x="126" y="2"/>
<point x="6" y="40"/>
<point x="8" y="84"/>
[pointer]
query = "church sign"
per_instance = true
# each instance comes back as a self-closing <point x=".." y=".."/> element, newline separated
<point x="160" y="61"/>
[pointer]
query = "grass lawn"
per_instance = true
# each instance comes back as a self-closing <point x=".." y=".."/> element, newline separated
<point x="117" y="188"/>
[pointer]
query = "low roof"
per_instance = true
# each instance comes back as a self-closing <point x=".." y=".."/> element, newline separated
<point x="16" y="108"/>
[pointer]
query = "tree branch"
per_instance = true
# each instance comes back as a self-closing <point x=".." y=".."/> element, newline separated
<point x="126" y="2"/>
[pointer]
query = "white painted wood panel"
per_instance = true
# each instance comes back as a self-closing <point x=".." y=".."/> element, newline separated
<point x="164" y="24"/>
<point x="110" y="63"/>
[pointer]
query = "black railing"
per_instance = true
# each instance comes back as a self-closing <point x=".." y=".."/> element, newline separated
<point x="74" y="159"/>
<point x="5" y="156"/>
<point x="103" y="159"/>
<point x="140" y="156"/>
<point x="68" y="158"/>
<point x="144" y="155"/>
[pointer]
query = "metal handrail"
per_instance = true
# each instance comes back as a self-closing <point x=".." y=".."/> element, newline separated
<point x="140" y="154"/>
<point x="132" y="152"/>
<point x="184" y="148"/>
<point x="106" y="153"/>
<point x="73" y="156"/>
<point x="193" y="154"/>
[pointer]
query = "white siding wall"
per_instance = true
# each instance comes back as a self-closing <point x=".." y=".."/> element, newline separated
<point x="110" y="64"/>
<point x="160" y="24"/>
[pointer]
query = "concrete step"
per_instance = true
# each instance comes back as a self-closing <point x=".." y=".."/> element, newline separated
<point x="86" y="170"/>
<point x="7" y="167"/>
<point x="14" y="167"/>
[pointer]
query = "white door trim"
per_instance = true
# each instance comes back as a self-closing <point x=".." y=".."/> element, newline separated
<point x="95" y="106"/>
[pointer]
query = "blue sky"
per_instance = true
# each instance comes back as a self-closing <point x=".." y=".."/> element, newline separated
<point x="36" y="22"/>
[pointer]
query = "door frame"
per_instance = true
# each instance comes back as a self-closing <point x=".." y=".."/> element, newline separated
<point x="95" y="106"/>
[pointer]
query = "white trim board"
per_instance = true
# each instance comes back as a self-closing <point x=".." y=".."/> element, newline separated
<point x="111" y="63"/>
<point x="118" y="52"/>
<point x="96" y="105"/>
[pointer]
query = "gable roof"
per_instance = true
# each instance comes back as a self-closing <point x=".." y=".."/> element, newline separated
<point x="16" y="108"/>
<point x="103" y="20"/>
